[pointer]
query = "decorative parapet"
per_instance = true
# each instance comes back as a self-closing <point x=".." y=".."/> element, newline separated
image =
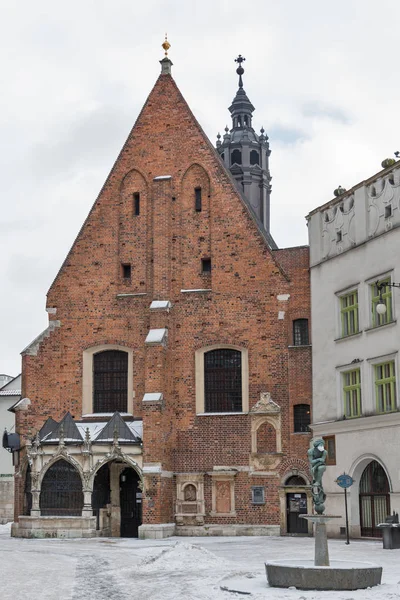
<point x="33" y="348"/>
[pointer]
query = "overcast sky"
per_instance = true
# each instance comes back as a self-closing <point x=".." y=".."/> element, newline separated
<point x="322" y="75"/>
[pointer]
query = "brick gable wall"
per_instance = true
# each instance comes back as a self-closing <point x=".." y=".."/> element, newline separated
<point x="164" y="245"/>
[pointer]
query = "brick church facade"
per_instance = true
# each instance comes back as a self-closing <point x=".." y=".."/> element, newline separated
<point x="171" y="392"/>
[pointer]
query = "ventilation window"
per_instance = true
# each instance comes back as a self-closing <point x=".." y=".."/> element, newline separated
<point x="136" y="204"/>
<point x="388" y="211"/>
<point x="197" y="199"/>
<point x="206" y="265"/>
<point x="126" y="271"/>
<point x="338" y="236"/>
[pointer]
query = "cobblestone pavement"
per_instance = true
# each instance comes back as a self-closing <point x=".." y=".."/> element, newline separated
<point x="173" y="569"/>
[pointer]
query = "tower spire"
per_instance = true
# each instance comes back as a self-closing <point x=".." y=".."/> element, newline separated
<point x="166" y="63"/>
<point x="246" y="154"/>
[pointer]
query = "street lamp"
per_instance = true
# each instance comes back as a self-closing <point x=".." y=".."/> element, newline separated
<point x="381" y="306"/>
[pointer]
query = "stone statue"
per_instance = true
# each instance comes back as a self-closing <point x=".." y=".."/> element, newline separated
<point x="317" y="459"/>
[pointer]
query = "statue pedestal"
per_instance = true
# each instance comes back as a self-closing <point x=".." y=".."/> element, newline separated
<point x="321" y="552"/>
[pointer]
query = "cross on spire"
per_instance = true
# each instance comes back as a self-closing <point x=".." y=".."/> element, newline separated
<point x="240" y="69"/>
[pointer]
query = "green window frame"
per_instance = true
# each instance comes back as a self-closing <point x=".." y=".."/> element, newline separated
<point x="352" y="393"/>
<point x="385" y="387"/>
<point x="349" y="313"/>
<point x="386" y="298"/>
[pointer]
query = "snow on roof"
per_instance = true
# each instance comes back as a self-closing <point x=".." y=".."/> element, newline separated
<point x="10" y="392"/>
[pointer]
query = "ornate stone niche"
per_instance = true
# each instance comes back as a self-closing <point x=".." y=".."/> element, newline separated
<point x="223" y="493"/>
<point x="265" y="415"/>
<point x="190" y="507"/>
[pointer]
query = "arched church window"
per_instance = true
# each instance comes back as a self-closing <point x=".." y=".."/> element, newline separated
<point x="236" y="157"/>
<point x="61" y="492"/>
<point x="223" y="380"/>
<point x="245" y="121"/>
<point x="239" y="122"/>
<point x="254" y="157"/>
<point x="110" y="381"/>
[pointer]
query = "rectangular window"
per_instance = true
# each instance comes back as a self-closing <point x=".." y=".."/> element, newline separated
<point x="330" y="447"/>
<point x="352" y="393"/>
<point x="136" y="204"/>
<point x="349" y="313"/>
<point x="206" y="265"/>
<point x="300" y="332"/>
<point x="197" y="199"/>
<point x="381" y="297"/>
<point x="385" y="387"/>
<point x="126" y="271"/>
<point x="257" y="495"/>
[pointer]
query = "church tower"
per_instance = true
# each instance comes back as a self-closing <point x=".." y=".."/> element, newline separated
<point x="246" y="154"/>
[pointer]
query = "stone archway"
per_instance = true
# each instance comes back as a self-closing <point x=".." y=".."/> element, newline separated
<point x="61" y="492"/>
<point x="117" y="498"/>
<point x="356" y="471"/>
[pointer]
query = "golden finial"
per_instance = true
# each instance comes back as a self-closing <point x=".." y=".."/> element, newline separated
<point x="166" y="45"/>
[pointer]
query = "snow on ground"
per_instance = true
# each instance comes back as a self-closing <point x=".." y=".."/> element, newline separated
<point x="173" y="569"/>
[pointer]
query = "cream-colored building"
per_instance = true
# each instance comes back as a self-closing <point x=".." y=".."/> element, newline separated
<point x="354" y="249"/>
<point x="10" y="392"/>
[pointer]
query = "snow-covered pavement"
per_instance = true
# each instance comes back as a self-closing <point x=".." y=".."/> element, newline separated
<point x="172" y="569"/>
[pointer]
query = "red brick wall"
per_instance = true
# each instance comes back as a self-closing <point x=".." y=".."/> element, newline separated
<point x="165" y="245"/>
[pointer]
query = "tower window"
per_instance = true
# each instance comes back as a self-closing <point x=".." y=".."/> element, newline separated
<point x="254" y="157"/>
<point x="126" y="271"/>
<point x="236" y="157"/>
<point x="197" y="199"/>
<point x="206" y="265"/>
<point x="136" y="204"/>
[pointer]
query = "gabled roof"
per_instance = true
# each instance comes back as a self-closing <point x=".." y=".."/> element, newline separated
<point x="116" y="424"/>
<point x="67" y="426"/>
<point x="49" y="426"/>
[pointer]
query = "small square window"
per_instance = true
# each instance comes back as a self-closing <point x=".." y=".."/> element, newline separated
<point x="136" y="204"/>
<point x="126" y="271"/>
<point x="206" y="265"/>
<point x="258" y="495"/>
<point x="388" y="211"/>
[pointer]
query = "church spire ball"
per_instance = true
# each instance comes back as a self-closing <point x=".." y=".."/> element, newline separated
<point x="166" y="45"/>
